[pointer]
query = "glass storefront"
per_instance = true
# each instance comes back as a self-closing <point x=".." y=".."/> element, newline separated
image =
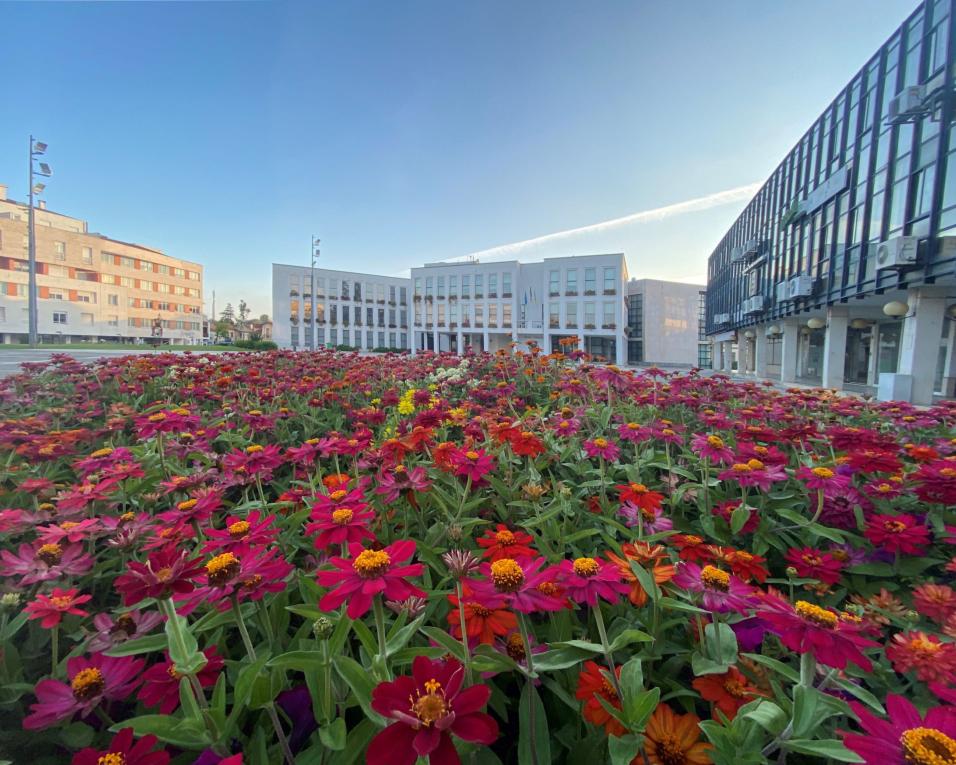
<point x="604" y="347"/>
<point x="888" y="346"/>
<point x="856" y="363"/>
<point x="810" y="354"/>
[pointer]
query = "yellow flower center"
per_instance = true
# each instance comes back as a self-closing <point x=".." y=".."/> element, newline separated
<point x="62" y="601"/>
<point x="67" y="525"/>
<point x="479" y="610"/>
<point x="431" y="706"/>
<point x="173" y="672"/>
<point x="633" y="426"/>
<point x="342" y="516"/>
<point x="472" y="456"/>
<point x="180" y="411"/>
<point x="819" y="616"/>
<point x="255" y="412"/>
<point x="338" y="495"/>
<point x="924" y="646"/>
<point x="948" y="472"/>
<point x="741" y="467"/>
<point x="638" y="488"/>
<point x="187" y="504"/>
<point x="254" y="449"/>
<point x="507" y="575"/>
<point x="884" y="488"/>
<point x="928" y="746"/>
<point x="515" y="647"/>
<point x="221" y="569"/>
<point x="238" y="529"/>
<point x="822" y="472"/>
<point x="668" y="432"/>
<point x="158" y="417"/>
<point x="50" y="554"/>
<point x="755" y="464"/>
<point x="105" y="452"/>
<point x="715" y="579"/>
<point x="371" y="563"/>
<point x="735" y="688"/>
<point x="894" y="526"/>
<point x="716" y="441"/>
<point x="87" y="683"/>
<point x="600" y="443"/>
<point x="505" y="537"/>
<point x="585" y="566"/>
<point x="113" y="758"/>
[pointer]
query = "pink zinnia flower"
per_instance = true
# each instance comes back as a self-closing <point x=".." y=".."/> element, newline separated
<point x="368" y="573"/>
<point x="123" y="751"/>
<point x="399" y="479"/>
<point x="524" y="585"/>
<point x="812" y="563"/>
<point x="161" y="681"/>
<point x="712" y="447"/>
<point x="822" y="478"/>
<point x="44" y="562"/>
<point x="753" y="473"/>
<point x="895" y="741"/>
<point x="344" y="525"/>
<point x="721" y="591"/>
<point x="255" y="529"/>
<point x="585" y="580"/>
<point x="902" y="533"/>
<point x="601" y="447"/>
<point x="92" y="680"/>
<point x="471" y="463"/>
<point x="633" y="432"/>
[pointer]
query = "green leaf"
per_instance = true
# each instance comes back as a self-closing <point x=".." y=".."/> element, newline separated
<point x="76" y="735"/>
<point x="721" y="642"/>
<point x="454" y="647"/>
<point x="826" y="748"/>
<point x="165" y="728"/>
<point x="804" y="710"/>
<point x="560" y="658"/>
<point x="334" y="734"/>
<point x="872" y="569"/>
<point x="360" y="681"/>
<point x="628" y="637"/>
<point x="704" y="665"/>
<point x="183" y="649"/>
<point x="632" y="677"/>
<point x="303" y="661"/>
<point x="680" y="605"/>
<point x="862" y="694"/>
<point x="147" y="644"/>
<point x="766" y="714"/>
<point x="534" y="737"/>
<point x="739" y="518"/>
<point x="777" y="666"/>
<point x="582" y="645"/>
<point x="623" y="749"/>
<point x="638" y="708"/>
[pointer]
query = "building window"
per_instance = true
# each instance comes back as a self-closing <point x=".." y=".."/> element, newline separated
<point x="403" y="342"/>
<point x="441" y="289"/>
<point x="479" y="315"/>
<point x="506" y="316"/>
<point x="609" y="321"/>
<point x="369" y="340"/>
<point x="452" y="286"/>
<point x="610" y="276"/>
<point x="554" y="280"/>
<point x="88" y="255"/>
<point x="492" y="285"/>
<point x="466" y="286"/>
<point x="418" y="286"/>
<point x="59" y="250"/>
<point x="590" y="281"/>
<point x="506" y="284"/>
<point x="493" y="315"/>
<point x="453" y="315"/>
<point x="381" y="339"/>
<point x="59" y="317"/>
<point x="3" y="313"/>
<point x="571" y="315"/>
<point x="403" y="296"/>
<point x="391" y="339"/>
<point x="357" y="292"/>
<point x="441" y="316"/>
<point x="571" y="284"/>
<point x="86" y="319"/>
<point x="479" y="286"/>
<point x="589" y="315"/>
<point x="554" y="315"/>
<point x="429" y="286"/>
<point x="370" y="316"/>
<point x="635" y="316"/>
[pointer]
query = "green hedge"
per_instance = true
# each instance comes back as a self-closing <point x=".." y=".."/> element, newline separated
<point x="256" y="345"/>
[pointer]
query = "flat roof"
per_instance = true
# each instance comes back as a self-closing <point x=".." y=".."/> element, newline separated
<point x="340" y="271"/>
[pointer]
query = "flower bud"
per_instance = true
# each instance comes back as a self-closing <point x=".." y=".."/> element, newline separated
<point x="460" y="562"/>
<point x="322" y="628"/>
<point x="791" y="572"/>
<point x="9" y="601"/>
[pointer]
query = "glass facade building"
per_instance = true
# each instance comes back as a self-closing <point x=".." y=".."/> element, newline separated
<point x="860" y="213"/>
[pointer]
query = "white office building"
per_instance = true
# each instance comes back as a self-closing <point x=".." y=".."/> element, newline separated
<point x="487" y="306"/>
<point x="347" y="308"/>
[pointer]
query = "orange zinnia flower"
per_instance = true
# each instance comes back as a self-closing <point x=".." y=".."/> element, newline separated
<point x="673" y="739"/>
<point x="728" y="691"/>
<point x="642" y="553"/>
<point x="592" y="683"/>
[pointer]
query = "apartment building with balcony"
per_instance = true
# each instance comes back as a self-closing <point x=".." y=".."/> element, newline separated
<point x="488" y="305"/>
<point x="841" y="271"/>
<point x="359" y="310"/>
<point x="91" y="287"/>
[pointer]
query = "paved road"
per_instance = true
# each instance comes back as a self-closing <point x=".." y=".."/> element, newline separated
<point x="10" y="360"/>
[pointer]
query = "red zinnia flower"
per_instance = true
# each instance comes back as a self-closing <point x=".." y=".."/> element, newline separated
<point x="693" y="548"/>
<point x="812" y="563"/>
<point x="505" y="543"/>
<point x="51" y="608"/>
<point x="427" y="708"/>
<point x="161" y="681"/>
<point x="472" y="463"/>
<point x="933" y="661"/>
<point x="594" y="682"/>
<point x="122" y="751"/>
<point x="728" y="692"/>
<point x="368" y="573"/>
<point x="342" y="525"/>
<point x="638" y="494"/>
<point x="747" y="565"/>
<point x="898" y="533"/>
<point x="937" y="601"/>
<point x="167" y="571"/>
<point x="485" y="618"/>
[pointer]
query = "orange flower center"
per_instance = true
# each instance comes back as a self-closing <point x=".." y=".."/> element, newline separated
<point x="741" y="467"/>
<point x="924" y="646"/>
<point x="472" y="456"/>
<point x="222" y="569"/>
<point x="164" y="574"/>
<point x="715" y="579"/>
<point x="62" y="601"/>
<point x="547" y="588"/>
<point x="819" y="616"/>
<point x="158" y="417"/>
<point x="113" y="758"/>
<point x="607" y="688"/>
<point x="895" y="527"/>
<point x="755" y="464"/>
<point x="668" y="432"/>
<point x="507" y="575"/>
<point x="479" y="610"/>
<point x="338" y="495"/>
<point x="187" y="504"/>
<point x="505" y="537"/>
<point x="238" y="529"/>
<point x="87" y="683"/>
<point x="735" y="688"/>
<point x="948" y="472"/>
<point x="67" y="525"/>
<point x="342" y="516"/>
<point x="431" y="706"/>
<point x="371" y="563"/>
<point x="105" y="452"/>
<point x="50" y="554"/>
<point x="716" y="441"/>
<point x="638" y="488"/>
<point x="600" y="443"/>
<point x="822" y="472"/>
<point x="633" y="426"/>
<point x="928" y="746"/>
<point x="585" y="566"/>
<point x="173" y="672"/>
<point x="254" y="449"/>
<point x="515" y="647"/>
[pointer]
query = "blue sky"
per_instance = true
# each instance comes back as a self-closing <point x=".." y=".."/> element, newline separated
<point x="404" y="132"/>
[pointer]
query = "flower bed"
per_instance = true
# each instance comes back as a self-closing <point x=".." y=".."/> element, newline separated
<point x="330" y="558"/>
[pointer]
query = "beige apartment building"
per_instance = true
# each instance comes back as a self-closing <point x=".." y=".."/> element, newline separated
<point x="90" y="287"/>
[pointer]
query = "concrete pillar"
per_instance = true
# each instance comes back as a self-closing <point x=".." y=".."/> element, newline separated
<point x="620" y="345"/>
<point x="484" y="341"/>
<point x="872" y="378"/>
<point x="545" y="339"/>
<point x="435" y="337"/>
<point x="581" y="342"/>
<point x="949" y="368"/>
<point x="728" y="356"/>
<point x="745" y="354"/>
<point x="761" y="353"/>
<point x="834" y="348"/>
<point x="461" y="343"/>
<point x="919" y="343"/>
<point x="788" y="361"/>
<point x="716" y="356"/>
<point x="412" y="338"/>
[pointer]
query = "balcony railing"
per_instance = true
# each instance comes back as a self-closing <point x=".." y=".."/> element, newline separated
<point x="570" y="293"/>
<point x="530" y="325"/>
<point x="506" y="294"/>
<point x="554" y="324"/>
<point x="610" y="292"/>
<point x="609" y="326"/>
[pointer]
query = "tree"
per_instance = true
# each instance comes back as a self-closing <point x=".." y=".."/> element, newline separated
<point x="264" y="317"/>
<point x="243" y="311"/>
<point x="222" y="328"/>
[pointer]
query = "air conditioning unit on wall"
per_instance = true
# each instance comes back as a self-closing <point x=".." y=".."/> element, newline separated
<point x="898" y="252"/>
<point x="800" y="286"/>
<point x="783" y="292"/>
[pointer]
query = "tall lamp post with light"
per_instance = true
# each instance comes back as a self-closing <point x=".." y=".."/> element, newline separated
<point x="312" y="322"/>
<point x="37" y="148"/>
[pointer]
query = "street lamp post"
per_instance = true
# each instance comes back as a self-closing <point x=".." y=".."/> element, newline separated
<point x="37" y="148"/>
<point x="312" y="322"/>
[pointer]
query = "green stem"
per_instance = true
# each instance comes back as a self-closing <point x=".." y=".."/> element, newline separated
<point x="54" y="650"/>
<point x="280" y="734"/>
<point x="243" y="631"/>
<point x="464" y="631"/>
<point x="602" y="632"/>
<point x="380" y="629"/>
<point x="522" y="625"/>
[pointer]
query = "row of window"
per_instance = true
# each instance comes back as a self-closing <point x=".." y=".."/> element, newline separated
<point x="108" y="258"/>
<point x="348" y="314"/>
<point x="64" y="272"/>
<point x="608" y="315"/>
<point x="467" y="280"/>
<point x="346" y="289"/>
<point x="465" y="314"/>
<point x="590" y="281"/>
<point x="356" y="338"/>
<point x="112" y="320"/>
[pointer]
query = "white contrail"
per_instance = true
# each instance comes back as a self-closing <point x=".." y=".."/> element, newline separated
<point x="658" y="213"/>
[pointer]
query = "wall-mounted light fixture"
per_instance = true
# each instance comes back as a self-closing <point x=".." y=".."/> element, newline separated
<point x="860" y="323"/>
<point x="773" y="329"/>
<point x="896" y="308"/>
<point x="749" y="333"/>
<point x="816" y="323"/>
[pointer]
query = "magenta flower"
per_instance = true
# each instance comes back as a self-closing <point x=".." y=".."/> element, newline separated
<point x="894" y="740"/>
<point x="255" y="529"/>
<point x="343" y="525"/>
<point x="161" y="681"/>
<point x="471" y="463"/>
<point x="753" y="473"/>
<point x="524" y="585"/>
<point x="633" y="432"/>
<point x="601" y="447"/>
<point x="822" y="478"/>
<point x="44" y="562"/>
<point x="712" y="447"/>
<point x="245" y="573"/>
<point x="721" y="591"/>
<point x="369" y="573"/>
<point x="585" y="580"/>
<point x="393" y="483"/>
<point x="93" y="679"/>
<point x="130" y="624"/>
